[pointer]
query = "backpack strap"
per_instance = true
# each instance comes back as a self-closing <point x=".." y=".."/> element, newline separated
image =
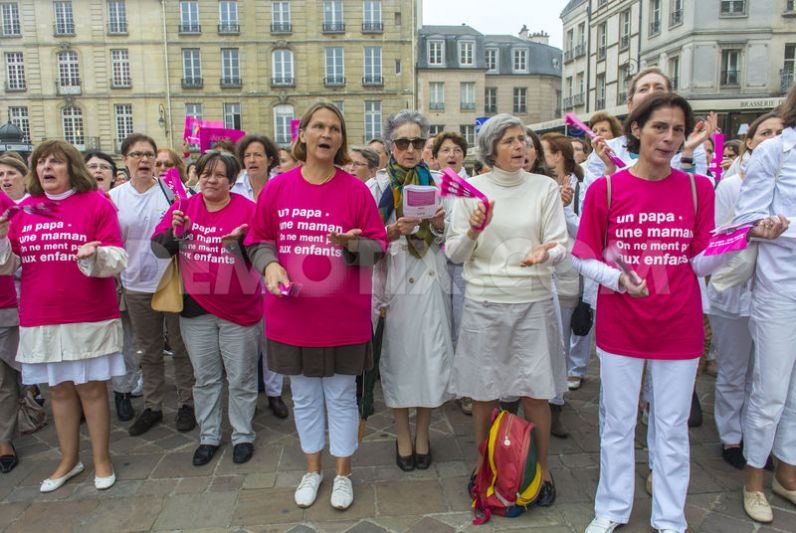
<point x="166" y="191"/>
<point x="608" y="194"/>
<point x="693" y="192"/>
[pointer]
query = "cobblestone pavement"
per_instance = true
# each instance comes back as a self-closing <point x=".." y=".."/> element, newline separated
<point x="159" y="489"/>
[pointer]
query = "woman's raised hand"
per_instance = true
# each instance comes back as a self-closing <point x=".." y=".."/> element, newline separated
<point x="275" y="276"/>
<point x="701" y="133"/>
<point x="538" y="255"/>
<point x="230" y="240"/>
<point x="567" y="193"/>
<point x="179" y="220"/>
<point x="477" y="218"/>
<point x="600" y="147"/>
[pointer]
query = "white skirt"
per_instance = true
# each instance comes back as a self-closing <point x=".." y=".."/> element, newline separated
<point x="100" y="368"/>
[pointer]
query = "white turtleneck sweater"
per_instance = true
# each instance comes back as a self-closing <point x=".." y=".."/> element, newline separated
<point x="528" y="212"/>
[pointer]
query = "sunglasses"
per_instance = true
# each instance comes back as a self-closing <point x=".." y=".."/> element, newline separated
<point x="403" y="143"/>
<point x="167" y="164"/>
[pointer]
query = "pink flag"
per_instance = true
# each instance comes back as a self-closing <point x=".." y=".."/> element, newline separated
<point x="193" y="125"/>
<point x="294" y="128"/>
<point x="208" y="137"/>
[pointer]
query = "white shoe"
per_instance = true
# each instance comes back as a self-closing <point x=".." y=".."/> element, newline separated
<point x="342" y="493"/>
<point x="602" y="525"/>
<point x="103" y="483"/>
<point x="307" y="490"/>
<point x="757" y="507"/>
<point x="574" y="383"/>
<point x="49" y="485"/>
<point x="138" y="390"/>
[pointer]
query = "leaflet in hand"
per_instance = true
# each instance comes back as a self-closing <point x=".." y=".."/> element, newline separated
<point x="420" y="201"/>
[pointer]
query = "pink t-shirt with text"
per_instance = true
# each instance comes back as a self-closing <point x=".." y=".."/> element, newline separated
<point x="333" y="307"/>
<point x="221" y="281"/>
<point x="654" y="226"/>
<point x="52" y="289"/>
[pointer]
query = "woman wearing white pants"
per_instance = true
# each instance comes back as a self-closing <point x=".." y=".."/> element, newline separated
<point x="770" y="422"/>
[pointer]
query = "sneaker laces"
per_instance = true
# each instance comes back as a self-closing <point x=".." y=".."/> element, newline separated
<point x="307" y="480"/>
<point x="340" y="484"/>
<point x="758" y="498"/>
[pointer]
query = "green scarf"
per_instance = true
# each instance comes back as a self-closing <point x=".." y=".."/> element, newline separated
<point x="420" y="241"/>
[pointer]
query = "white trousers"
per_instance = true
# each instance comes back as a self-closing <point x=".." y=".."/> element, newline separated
<point x="770" y="421"/>
<point x="734" y="349"/>
<point x="332" y="400"/>
<point x="273" y="381"/>
<point x="579" y="354"/>
<point x="673" y="384"/>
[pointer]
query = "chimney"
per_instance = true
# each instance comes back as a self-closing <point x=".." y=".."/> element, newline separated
<point x="540" y="37"/>
<point x="524" y="32"/>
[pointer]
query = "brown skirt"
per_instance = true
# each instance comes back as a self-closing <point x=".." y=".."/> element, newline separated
<point x="319" y="362"/>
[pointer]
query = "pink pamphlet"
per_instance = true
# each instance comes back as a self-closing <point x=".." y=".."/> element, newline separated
<point x="722" y="243"/>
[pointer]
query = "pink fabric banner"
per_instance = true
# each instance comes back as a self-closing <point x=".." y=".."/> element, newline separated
<point x="193" y="125"/>
<point x="208" y="137"/>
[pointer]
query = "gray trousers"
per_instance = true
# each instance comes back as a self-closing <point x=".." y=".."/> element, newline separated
<point x="9" y="402"/>
<point x="216" y="346"/>
<point x="127" y="382"/>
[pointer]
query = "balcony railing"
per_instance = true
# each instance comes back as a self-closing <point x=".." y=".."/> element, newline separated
<point x="599" y="103"/>
<point x="655" y="27"/>
<point x="676" y="18"/>
<point x="63" y="29"/>
<point x="190" y="29"/>
<point x="283" y="81"/>
<point x="117" y="28"/>
<point x="333" y="27"/>
<point x="372" y="81"/>
<point x="16" y="86"/>
<point x="466" y="106"/>
<point x="601" y="53"/>
<point x="192" y="83"/>
<point x="621" y="98"/>
<point x="372" y="27"/>
<point x="580" y="50"/>
<point x="231" y="82"/>
<point x="437" y="106"/>
<point x="68" y="90"/>
<point x="490" y="108"/>
<point x="729" y="77"/>
<point x="281" y="27"/>
<point x="567" y="103"/>
<point x="121" y="83"/>
<point x="229" y="29"/>
<point x="568" y="56"/>
<point x="334" y="81"/>
<point x="786" y="79"/>
<point x="577" y="99"/>
<point x="624" y="42"/>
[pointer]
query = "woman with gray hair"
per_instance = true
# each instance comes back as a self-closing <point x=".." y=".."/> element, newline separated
<point x="509" y="337"/>
<point x="364" y="162"/>
<point x="412" y="292"/>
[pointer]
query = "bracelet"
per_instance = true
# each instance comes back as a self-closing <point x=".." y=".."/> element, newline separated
<point x="687" y="160"/>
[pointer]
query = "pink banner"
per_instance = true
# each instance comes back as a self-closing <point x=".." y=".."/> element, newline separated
<point x="723" y="243"/>
<point x="208" y="137"/>
<point x="294" y="129"/>
<point x="193" y="125"/>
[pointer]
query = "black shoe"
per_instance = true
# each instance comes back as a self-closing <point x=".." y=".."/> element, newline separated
<point x="277" y="406"/>
<point x="511" y="407"/>
<point x="203" y="454"/>
<point x="407" y="464"/>
<point x="8" y="462"/>
<point x="547" y="494"/>
<point x="124" y="408"/>
<point x="556" y="427"/>
<point x="695" y="418"/>
<point x="241" y="453"/>
<point x="734" y="456"/>
<point x="769" y="463"/>
<point x="423" y="461"/>
<point x="186" y="420"/>
<point x="145" y="421"/>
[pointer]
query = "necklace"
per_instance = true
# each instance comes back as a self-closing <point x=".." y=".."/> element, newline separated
<point x="323" y="180"/>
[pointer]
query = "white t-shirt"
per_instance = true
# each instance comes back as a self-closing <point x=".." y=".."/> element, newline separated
<point x="138" y="215"/>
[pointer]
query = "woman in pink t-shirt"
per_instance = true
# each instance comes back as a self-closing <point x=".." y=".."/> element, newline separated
<point x="221" y="319"/>
<point x="315" y="235"/>
<point x="653" y="223"/>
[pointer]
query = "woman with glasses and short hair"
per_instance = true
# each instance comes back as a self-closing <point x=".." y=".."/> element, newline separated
<point x="413" y="292"/>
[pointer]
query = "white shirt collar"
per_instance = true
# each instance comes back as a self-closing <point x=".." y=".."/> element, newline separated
<point x="788" y="138"/>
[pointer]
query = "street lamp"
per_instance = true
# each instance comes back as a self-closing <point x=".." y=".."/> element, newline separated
<point x="162" y="120"/>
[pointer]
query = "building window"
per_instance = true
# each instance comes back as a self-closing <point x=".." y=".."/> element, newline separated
<point x="339" y="104"/>
<point x="68" y="70"/>
<point x="601" y="41"/>
<point x="468" y="132"/>
<point x="435" y="129"/>
<point x="230" y="67"/>
<point x="10" y="14"/>
<point x="600" y="96"/>
<point x="18" y="116"/>
<point x="334" y="66"/>
<point x="228" y="17"/>
<point x="578" y="99"/>
<point x="436" y="95"/>
<point x="492" y="59"/>
<point x="730" y="66"/>
<point x="674" y="72"/>
<point x="371" y="17"/>
<point x="467" y="96"/>
<point x="520" y="100"/>
<point x="624" y="29"/>
<point x="280" y="17"/>
<point x="789" y="68"/>
<point x="282" y="68"/>
<point x="520" y="60"/>
<point x="436" y="53"/>
<point x="790" y="6"/>
<point x="372" y="66"/>
<point x="333" y="16"/>
<point x="15" y="71"/>
<point x="232" y="116"/>
<point x="733" y="7"/>
<point x="64" y="19"/>
<point x="655" y="17"/>
<point x="117" y="17"/>
<point x="283" y="115"/>
<point x="676" y="17"/>
<point x="372" y="119"/>
<point x="189" y="17"/>
<point x="191" y="68"/>
<point x="194" y="110"/>
<point x="120" y="68"/>
<point x="490" y="100"/>
<point x="569" y="46"/>
<point x="466" y="53"/>
<point x="397" y="66"/>
<point x="124" y="122"/>
<point x="72" y="120"/>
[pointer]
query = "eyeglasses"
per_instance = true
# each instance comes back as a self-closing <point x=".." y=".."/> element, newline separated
<point x="99" y="166"/>
<point x="167" y="164"/>
<point x="359" y="164"/>
<point x="403" y="143"/>
<point x="141" y="155"/>
<point x="454" y="151"/>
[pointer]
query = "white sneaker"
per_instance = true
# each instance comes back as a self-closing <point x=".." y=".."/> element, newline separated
<point x="756" y="506"/>
<point x="49" y="484"/>
<point x="342" y="493"/>
<point x="307" y="490"/>
<point x="602" y="525"/>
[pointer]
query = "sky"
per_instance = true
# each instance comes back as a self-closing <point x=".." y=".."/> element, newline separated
<point x="498" y="16"/>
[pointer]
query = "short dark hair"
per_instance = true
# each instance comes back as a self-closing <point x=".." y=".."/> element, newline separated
<point x="644" y="111"/>
<point x="133" y="138"/>
<point x="228" y="159"/>
<point x="369" y="155"/>
<point x="271" y="151"/>
<point x="602" y="116"/>
<point x="454" y="136"/>
<point x="101" y="155"/>
<point x="300" y="149"/>
<point x="539" y="166"/>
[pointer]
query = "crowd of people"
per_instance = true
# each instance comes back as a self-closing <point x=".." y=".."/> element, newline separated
<point x="285" y="261"/>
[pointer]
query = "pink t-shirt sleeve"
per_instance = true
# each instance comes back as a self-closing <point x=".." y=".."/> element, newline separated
<point x="593" y="220"/>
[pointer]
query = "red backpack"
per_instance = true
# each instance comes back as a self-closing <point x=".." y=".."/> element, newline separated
<point x="510" y="477"/>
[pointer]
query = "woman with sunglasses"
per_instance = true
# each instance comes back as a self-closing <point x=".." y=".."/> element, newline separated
<point x="413" y="293"/>
<point x="166" y="159"/>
